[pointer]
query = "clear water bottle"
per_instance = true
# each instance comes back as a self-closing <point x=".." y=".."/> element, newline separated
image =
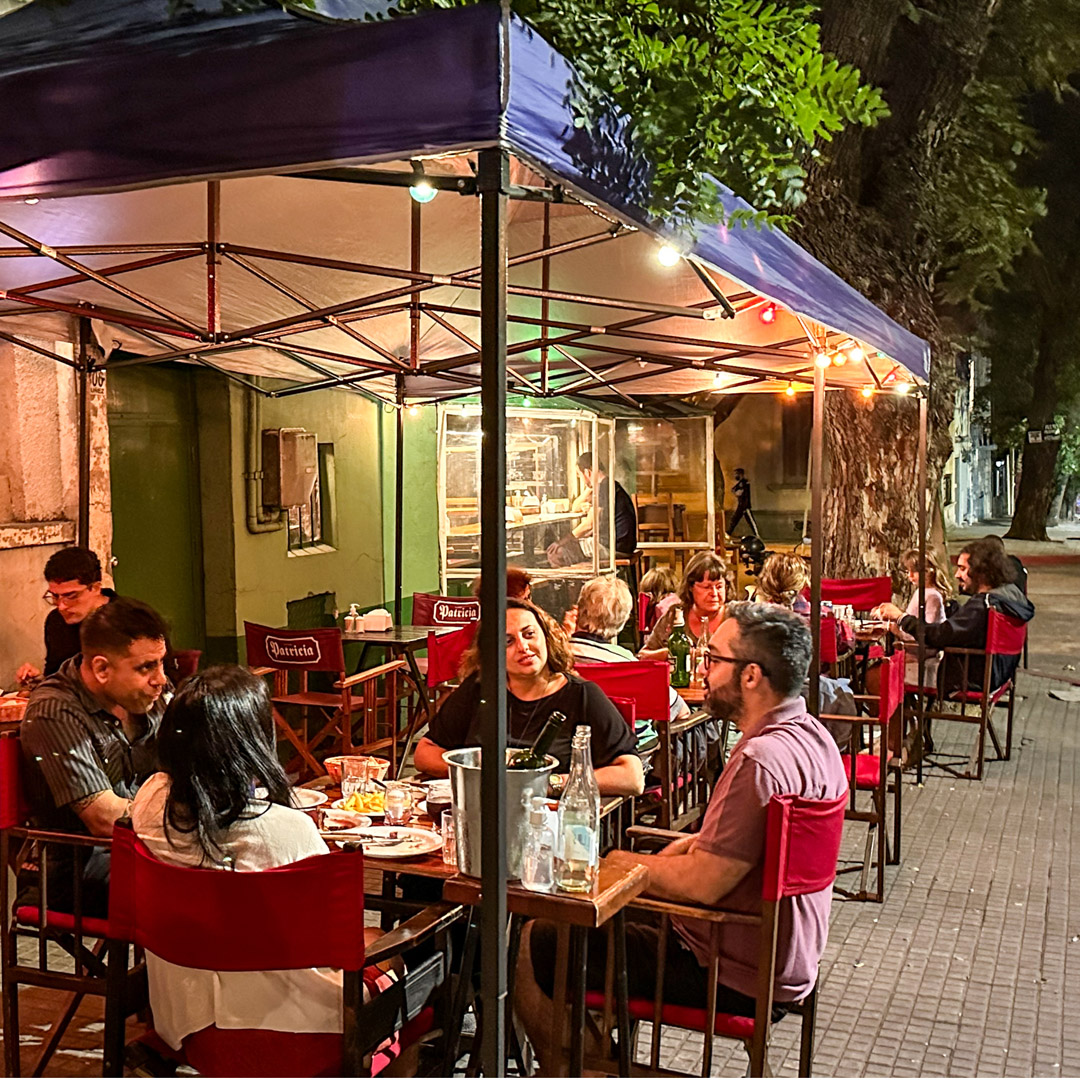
<point x="538" y="864"/>
<point x="578" y="831"/>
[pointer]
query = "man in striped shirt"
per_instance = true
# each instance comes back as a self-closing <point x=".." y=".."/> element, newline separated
<point x="88" y="740"/>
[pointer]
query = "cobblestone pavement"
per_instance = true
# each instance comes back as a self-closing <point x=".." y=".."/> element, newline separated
<point x="971" y="965"/>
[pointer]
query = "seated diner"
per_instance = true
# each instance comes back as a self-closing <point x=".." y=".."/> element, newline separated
<point x="539" y="681"/>
<point x="702" y="595"/>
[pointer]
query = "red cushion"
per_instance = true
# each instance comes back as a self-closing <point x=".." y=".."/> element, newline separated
<point x="911" y="688"/>
<point x="867" y="769"/>
<point x="684" y="1016"/>
<point x="249" y="1052"/>
<point x="60" y="920"/>
<point x="975" y="696"/>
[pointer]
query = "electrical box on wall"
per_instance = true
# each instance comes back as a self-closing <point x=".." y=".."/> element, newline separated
<point x="290" y="466"/>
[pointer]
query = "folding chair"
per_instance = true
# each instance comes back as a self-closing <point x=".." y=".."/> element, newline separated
<point x="430" y="609"/>
<point x="221" y="921"/>
<point x="869" y="772"/>
<point x="802" y="842"/>
<point x="862" y="594"/>
<point x="99" y="956"/>
<point x="303" y="652"/>
<point x="1005" y="639"/>
<point x="683" y="792"/>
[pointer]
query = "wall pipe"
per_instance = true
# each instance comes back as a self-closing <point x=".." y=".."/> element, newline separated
<point x="258" y="520"/>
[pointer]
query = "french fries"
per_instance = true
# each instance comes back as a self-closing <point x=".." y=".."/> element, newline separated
<point x="370" y="803"/>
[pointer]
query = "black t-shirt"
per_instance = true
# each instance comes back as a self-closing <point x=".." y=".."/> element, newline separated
<point x="625" y="517"/>
<point x="457" y="723"/>
<point x="742" y="494"/>
<point x="62" y="639"/>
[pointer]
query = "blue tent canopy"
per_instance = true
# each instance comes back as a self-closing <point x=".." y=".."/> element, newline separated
<point x="110" y="95"/>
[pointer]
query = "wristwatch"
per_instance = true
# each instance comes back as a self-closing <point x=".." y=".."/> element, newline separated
<point x="556" y="782"/>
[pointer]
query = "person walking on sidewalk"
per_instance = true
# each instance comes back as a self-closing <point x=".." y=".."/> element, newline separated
<point x="741" y="491"/>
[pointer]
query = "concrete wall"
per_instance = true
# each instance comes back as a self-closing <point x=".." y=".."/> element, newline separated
<point x="39" y="487"/>
<point x="751" y="439"/>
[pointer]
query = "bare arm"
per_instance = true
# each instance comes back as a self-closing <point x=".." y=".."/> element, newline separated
<point x="624" y="776"/>
<point x="428" y="758"/>
<point x="693" y="876"/>
<point x="585" y="526"/>
<point x="101" y="811"/>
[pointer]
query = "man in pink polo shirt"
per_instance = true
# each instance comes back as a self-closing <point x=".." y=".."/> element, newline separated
<point x="756" y="665"/>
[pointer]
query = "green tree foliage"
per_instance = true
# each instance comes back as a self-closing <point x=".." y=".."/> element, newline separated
<point x="737" y="89"/>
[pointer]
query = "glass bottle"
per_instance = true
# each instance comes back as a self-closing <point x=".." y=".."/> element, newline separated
<point x="679" y="652"/>
<point x="538" y="863"/>
<point x="535" y="757"/>
<point x="578" y="831"/>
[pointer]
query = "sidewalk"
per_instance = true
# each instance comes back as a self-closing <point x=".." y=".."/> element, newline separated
<point x="972" y="964"/>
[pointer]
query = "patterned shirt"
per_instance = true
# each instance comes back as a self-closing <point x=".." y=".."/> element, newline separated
<point x="73" y="747"/>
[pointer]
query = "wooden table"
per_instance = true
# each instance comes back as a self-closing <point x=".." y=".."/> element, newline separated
<point x="692" y="695"/>
<point x="406" y="641"/>
<point x="576" y="914"/>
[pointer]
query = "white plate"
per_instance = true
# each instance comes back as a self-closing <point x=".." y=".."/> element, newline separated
<point x="306" y="798"/>
<point x="339" y="804"/>
<point x="412" y="842"/>
<point x="350" y="821"/>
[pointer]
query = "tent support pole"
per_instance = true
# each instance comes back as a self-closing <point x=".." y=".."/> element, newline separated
<point x="921" y="518"/>
<point x="817" y="532"/>
<point x="545" y="303"/>
<point x="85" y="339"/>
<point x="493" y="178"/>
<point x="399" y="489"/>
<point x="213" y="259"/>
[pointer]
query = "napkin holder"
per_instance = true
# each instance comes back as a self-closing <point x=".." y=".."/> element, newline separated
<point x="377" y="620"/>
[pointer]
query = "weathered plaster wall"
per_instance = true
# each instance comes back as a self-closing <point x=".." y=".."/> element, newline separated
<point x="39" y="457"/>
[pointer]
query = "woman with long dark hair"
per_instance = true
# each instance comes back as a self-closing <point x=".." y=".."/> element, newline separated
<point x="221" y="800"/>
<point x="539" y="681"/>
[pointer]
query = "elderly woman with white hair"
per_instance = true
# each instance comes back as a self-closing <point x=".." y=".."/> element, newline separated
<point x="602" y="611"/>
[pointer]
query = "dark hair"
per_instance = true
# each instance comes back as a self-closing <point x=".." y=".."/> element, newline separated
<point x="705" y="565"/>
<point x="74" y="564"/>
<point x="517" y="583"/>
<point x="113" y="627"/>
<point x="216" y="744"/>
<point x="987" y="562"/>
<point x="775" y="639"/>
<point x="560" y="656"/>
<point x="585" y="461"/>
<point x="743" y="471"/>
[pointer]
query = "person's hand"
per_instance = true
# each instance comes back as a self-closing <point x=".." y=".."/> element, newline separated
<point x="653" y="654"/>
<point x="683" y="846"/>
<point x="622" y="860"/>
<point x="26" y="673"/>
<point x="888" y="612"/>
<point x="569" y="621"/>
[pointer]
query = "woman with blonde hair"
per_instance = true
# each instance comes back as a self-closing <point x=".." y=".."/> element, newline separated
<point x="783" y="577"/>
<point x="539" y="682"/>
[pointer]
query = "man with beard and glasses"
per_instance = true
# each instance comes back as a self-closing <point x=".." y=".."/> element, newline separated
<point x="756" y="664"/>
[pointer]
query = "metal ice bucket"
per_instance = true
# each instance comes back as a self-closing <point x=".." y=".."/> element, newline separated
<point x="465" y="794"/>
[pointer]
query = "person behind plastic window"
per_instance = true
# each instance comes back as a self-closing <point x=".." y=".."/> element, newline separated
<point x="757" y="662"/>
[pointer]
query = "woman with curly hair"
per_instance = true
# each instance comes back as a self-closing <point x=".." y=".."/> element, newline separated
<point x="783" y="577"/>
<point x="539" y="681"/>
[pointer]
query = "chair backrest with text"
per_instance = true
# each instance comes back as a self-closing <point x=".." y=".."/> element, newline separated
<point x="430" y="609"/>
<point x="645" y="682"/>
<point x="862" y="594"/>
<point x="318" y="649"/>
<point x="445" y="651"/>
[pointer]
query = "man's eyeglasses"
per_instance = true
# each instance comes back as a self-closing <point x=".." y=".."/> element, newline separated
<point x="55" y="599"/>
<point x="711" y="658"/>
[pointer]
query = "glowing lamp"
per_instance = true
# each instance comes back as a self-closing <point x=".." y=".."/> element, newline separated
<point x="768" y="314"/>
<point x="668" y="256"/>
<point x="414" y="410"/>
<point x="822" y="360"/>
<point x="867" y="391"/>
<point x="855" y="354"/>
<point x="790" y="391"/>
<point x="840" y="359"/>
<point x="903" y="388"/>
<point x="422" y="191"/>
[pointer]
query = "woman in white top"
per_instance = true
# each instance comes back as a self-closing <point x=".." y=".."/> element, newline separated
<point x="216" y="749"/>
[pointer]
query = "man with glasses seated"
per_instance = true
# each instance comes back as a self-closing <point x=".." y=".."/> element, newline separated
<point x="757" y="662"/>
<point x="73" y="576"/>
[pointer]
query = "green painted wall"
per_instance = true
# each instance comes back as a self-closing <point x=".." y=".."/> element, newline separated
<point x="420" y="562"/>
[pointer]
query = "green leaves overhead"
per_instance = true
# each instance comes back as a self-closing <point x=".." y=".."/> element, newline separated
<point x="739" y="89"/>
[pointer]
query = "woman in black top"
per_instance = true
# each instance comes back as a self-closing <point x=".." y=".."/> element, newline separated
<point x="538" y="683"/>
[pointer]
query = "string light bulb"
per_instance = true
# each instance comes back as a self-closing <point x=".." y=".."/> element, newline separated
<point x="768" y="314"/>
<point x="790" y="391"/>
<point x="867" y="391"/>
<point x="668" y="256"/>
<point x="422" y="191"/>
<point x="414" y="410"/>
<point x="903" y="388"/>
<point x="31" y="201"/>
<point x="839" y="359"/>
<point x="822" y="360"/>
<point x="856" y="354"/>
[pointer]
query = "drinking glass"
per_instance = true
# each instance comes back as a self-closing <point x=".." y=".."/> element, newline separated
<point x="398" y="803"/>
<point x="355" y="773"/>
<point x="449" y="839"/>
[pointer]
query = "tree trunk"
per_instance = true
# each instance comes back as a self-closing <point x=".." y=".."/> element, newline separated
<point x="861" y="219"/>
<point x="1037" y="488"/>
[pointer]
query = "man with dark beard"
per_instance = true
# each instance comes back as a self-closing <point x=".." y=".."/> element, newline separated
<point x="756" y="664"/>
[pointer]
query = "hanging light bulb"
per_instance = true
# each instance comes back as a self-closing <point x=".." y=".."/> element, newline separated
<point x="790" y="391"/>
<point x="822" y="360"/>
<point x="768" y="314"/>
<point x="903" y="388"/>
<point x="414" y="410"/>
<point x="31" y="201"/>
<point x="839" y="359"/>
<point x="856" y="354"/>
<point x="422" y="191"/>
<point x="668" y="256"/>
<point x="867" y="391"/>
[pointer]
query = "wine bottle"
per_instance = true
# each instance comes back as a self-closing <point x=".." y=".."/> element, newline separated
<point x="679" y="653"/>
<point x="577" y="836"/>
<point x="536" y="756"/>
